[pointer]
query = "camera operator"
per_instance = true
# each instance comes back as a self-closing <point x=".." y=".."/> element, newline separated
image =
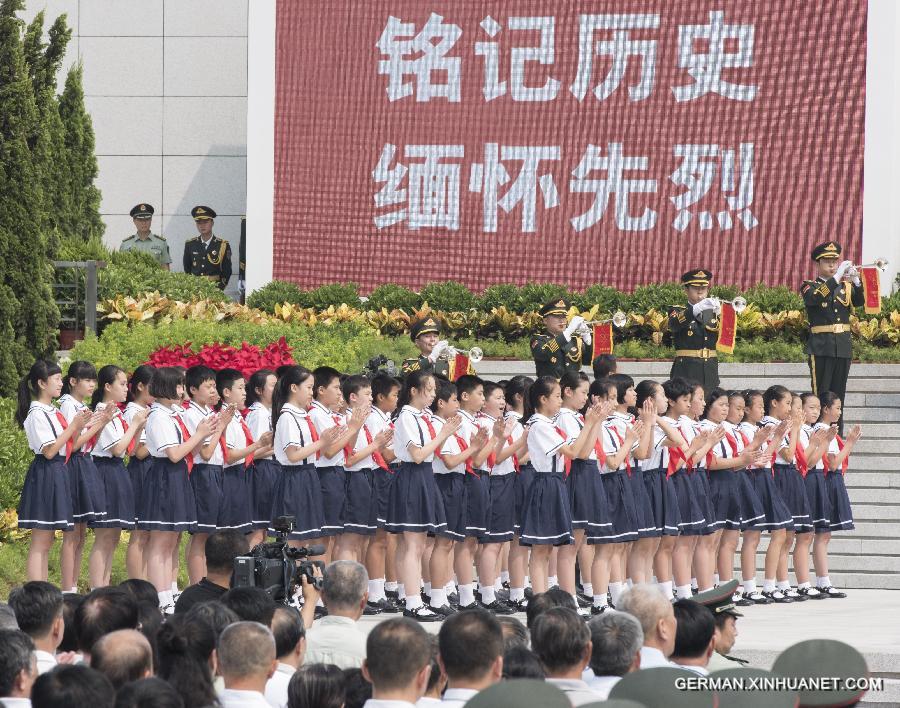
<point x="221" y="548"/>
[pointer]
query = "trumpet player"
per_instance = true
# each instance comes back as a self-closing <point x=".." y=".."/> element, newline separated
<point x="562" y="346"/>
<point x="829" y="300"/>
<point x="695" y="332"/>
<point x="435" y="354"/>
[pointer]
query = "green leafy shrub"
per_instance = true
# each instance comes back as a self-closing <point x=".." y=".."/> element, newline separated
<point x="608" y="298"/>
<point x="333" y="294"/>
<point x="394" y="297"/>
<point x="15" y="455"/>
<point x="773" y="299"/>
<point x="533" y="296"/>
<point x="500" y="295"/>
<point x="659" y="296"/>
<point x="448" y="296"/>
<point x="276" y="292"/>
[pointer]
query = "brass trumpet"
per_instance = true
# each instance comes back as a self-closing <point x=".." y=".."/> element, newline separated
<point x="619" y="320"/>
<point x="880" y="263"/>
<point x="739" y="304"/>
<point x="475" y="354"/>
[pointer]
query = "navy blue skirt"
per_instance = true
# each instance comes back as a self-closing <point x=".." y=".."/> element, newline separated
<point x="790" y="483"/>
<point x="547" y="519"/>
<point x="414" y="504"/>
<point x="46" y="499"/>
<point x="137" y="470"/>
<point x="167" y="498"/>
<point x="692" y="509"/>
<point x="206" y="481"/>
<point x="87" y="488"/>
<point x="264" y="476"/>
<point x="522" y="484"/>
<point x="299" y="494"/>
<point x="452" y="488"/>
<point x="663" y="501"/>
<point x="587" y="499"/>
<point x="333" y="481"/>
<point x="118" y="492"/>
<point x="382" y="481"/>
<point x="777" y="514"/>
<point x="819" y="500"/>
<point x="478" y="504"/>
<point x="841" y="511"/>
<point x="501" y="519"/>
<point x="700" y="480"/>
<point x="734" y="501"/>
<point x="360" y="505"/>
<point x="647" y="527"/>
<point x="236" y="508"/>
<point x="623" y="514"/>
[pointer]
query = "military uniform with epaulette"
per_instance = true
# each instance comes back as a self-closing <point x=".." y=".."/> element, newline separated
<point x="441" y="366"/>
<point x="554" y="355"/>
<point x="695" y="337"/>
<point x="721" y="602"/>
<point x="153" y="244"/>
<point x="211" y="259"/>
<point x="829" y="304"/>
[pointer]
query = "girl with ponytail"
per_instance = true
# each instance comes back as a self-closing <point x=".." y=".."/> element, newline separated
<point x="139" y="460"/>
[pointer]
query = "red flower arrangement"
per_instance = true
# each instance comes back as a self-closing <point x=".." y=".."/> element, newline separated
<point x="246" y="359"/>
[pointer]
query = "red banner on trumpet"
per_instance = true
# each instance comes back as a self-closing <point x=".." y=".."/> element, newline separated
<point x="603" y="339"/>
<point x="871" y="282"/>
<point x="727" y="329"/>
<point x="460" y="366"/>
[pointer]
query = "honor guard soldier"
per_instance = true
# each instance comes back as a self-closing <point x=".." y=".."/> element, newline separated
<point x="695" y="332"/>
<point x="434" y="353"/>
<point x="562" y="347"/>
<point x="207" y="255"/>
<point x="720" y="601"/>
<point x="242" y="260"/>
<point x="144" y="241"/>
<point x="829" y="299"/>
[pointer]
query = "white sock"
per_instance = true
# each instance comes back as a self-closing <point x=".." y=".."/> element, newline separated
<point x="803" y="585"/>
<point x="601" y="600"/>
<point x="823" y="582"/>
<point x="615" y="592"/>
<point x="487" y="594"/>
<point x="466" y="594"/>
<point x="693" y="583"/>
<point x="165" y="597"/>
<point x="552" y="581"/>
<point x="783" y="585"/>
<point x="504" y="576"/>
<point x="498" y="585"/>
<point x="683" y="592"/>
<point x="74" y="590"/>
<point x="665" y="587"/>
<point x="401" y="591"/>
<point x="629" y="583"/>
<point x="428" y="589"/>
<point x="438" y="598"/>
<point x="376" y="590"/>
<point x="527" y="581"/>
<point x="390" y="585"/>
<point x="450" y="587"/>
<point x="174" y="587"/>
<point x="750" y="585"/>
<point x="768" y="585"/>
<point x="414" y="601"/>
<point x="588" y="589"/>
<point x="517" y="594"/>
<point x="715" y="578"/>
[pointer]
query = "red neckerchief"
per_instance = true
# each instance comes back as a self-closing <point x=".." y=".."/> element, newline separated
<point x="566" y="461"/>
<point x="186" y="404"/>
<point x="675" y="454"/>
<point x="313" y="434"/>
<point x="492" y="457"/>
<point x="800" y="455"/>
<point x="844" y="462"/>
<point x="515" y="457"/>
<point x="622" y="444"/>
<point x="248" y="438"/>
<point x="470" y="469"/>
<point x="348" y="449"/>
<point x="598" y="446"/>
<point x="189" y="458"/>
<point x="732" y="443"/>
<point x="377" y="456"/>
<point x="133" y="443"/>
<point x="70" y="443"/>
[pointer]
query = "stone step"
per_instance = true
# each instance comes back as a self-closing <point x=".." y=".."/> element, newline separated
<point x="868" y="495"/>
<point x="876" y="512"/>
<point x="874" y="529"/>
<point x="884" y="448"/>
<point x="872" y="479"/>
<point x="878" y="429"/>
<point x="851" y="564"/>
<point x="874" y="414"/>
<point x="871" y="462"/>
<point x="847" y="544"/>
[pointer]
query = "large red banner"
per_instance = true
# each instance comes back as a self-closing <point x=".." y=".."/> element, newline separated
<point x="582" y="142"/>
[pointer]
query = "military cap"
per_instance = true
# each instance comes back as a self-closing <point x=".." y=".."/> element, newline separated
<point x="824" y="659"/>
<point x="200" y="213"/>
<point x="429" y="325"/>
<point x="701" y="278"/>
<point x="829" y="249"/>
<point x="749" y="690"/>
<point x="720" y="599"/>
<point x="660" y="686"/>
<point x="560" y="306"/>
<point x="520" y="693"/>
<point x="141" y="211"/>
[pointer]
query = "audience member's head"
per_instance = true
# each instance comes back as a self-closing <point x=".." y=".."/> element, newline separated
<point x="150" y="622"/>
<point x="522" y="663"/>
<point x="470" y="646"/>
<point x="398" y="659"/>
<point x="562" y="642"/>
<point x="72" y="686"/>
<point x="540" y="603"/>
<point x="140" y="590"/>
<point x="213" y="613"/>
<point x="186" y="660"/>
<point x="246" y="655"/>
<point x="103" y="611"/>
<point x="695" y="636"/>
<point x="515" y="634"/>
<point x="7" y="617"/>
<point x="437" y="680"/>
<point x="123" y="656"/>
<point x="221" y="548"/>
<point x="148" y="693"/>
<point x="290" y="635"/>
<point x="18" y="666"/>
<point x="250" y="604"/>
<point x="356" y="689"/>
<point x="616" y="639"/>
<point x="71" y="602"/>
<point x="345" y="588"/>
<point x="39" y="612"/>
<point x="654" y="612"/>
<point x="726" y="631"/>
<point x="316" y="686"/>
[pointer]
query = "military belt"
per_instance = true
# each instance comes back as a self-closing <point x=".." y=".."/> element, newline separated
<point x="830" y="329"/>
<point x="697" y="353"/>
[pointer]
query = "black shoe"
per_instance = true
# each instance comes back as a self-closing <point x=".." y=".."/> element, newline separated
<point x="443" y="610"/>
<point x="497" y="607"/>
<point x="389" y="606"/>
<point x="777" y="596"/>
<point x="599" y="610"/>
<point x="812" y="593"/>
<point x="529" y="593"/>
<point x="373" y="608"/>
<point x="453" y="599"/>
<point x="320" y="612"/>
<point x="392" y="595"/>
<point x="695" y="591"/>
<point x="518" y="605"/>
<point x="505" y="585"/>
<point x="583" y="600"/>
<point x="471" y="606"/>
<point x="502" y="595"/>
<point x="831" y="592"/>
<point x="741" y="602"/>
<point x="426" y="598"/>
<point x="423" y="614"/>
<point x="756" y="598"/>
<point x="795" y="596"/>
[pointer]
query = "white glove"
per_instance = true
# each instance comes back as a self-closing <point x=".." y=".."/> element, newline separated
<point x="573" y="326"/>
<point x="841" y="269"/>
<point x="705" y="304"/>
<point x="587" y="337"/>
<point x="438" y="350"/>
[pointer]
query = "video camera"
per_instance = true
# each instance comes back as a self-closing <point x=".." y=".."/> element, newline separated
<point x="277" y="567"/>
<point x="380" y="364"/>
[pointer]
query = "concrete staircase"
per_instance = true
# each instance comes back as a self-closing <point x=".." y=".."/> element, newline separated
<point x="868" y="557"/>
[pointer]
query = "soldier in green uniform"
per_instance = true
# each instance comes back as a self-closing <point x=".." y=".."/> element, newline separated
<point x="562" y="347"/>
<point x="720" y="601"/>
<point x="829" y="299"/>
<point x="144" y="241"/>
<point x="207" y="255"/>
<point x="695" y="332"/>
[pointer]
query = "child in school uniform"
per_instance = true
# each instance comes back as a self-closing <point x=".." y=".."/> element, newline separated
<point x="117" y="439"/>
<point x="45" y="505"/>
<point x="236" y="510"/>
<point x="139" y="460"/>
<point x="87" y="488"/>
<point x="265" y="471"/>
<point x="381" y="549"/>
<point x="547" y="518"/>
<point x="516" y="392"/>
<point x="206" y="475"/>
<point x="836" y="460"/>
<point x="168" y="506"/>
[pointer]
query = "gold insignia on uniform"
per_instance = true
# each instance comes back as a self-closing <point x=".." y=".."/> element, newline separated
<point x="142" y="207"/>
<point x="552" y="359"/>
<point x="561" y="303"/>
<point x="700" y="274"/>
<point x="201" y="210"/>
<point x="429" y="322"/>
<point x="831" y="247"/>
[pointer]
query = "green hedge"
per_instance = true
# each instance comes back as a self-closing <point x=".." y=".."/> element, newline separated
<point x="15" y="456"/>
